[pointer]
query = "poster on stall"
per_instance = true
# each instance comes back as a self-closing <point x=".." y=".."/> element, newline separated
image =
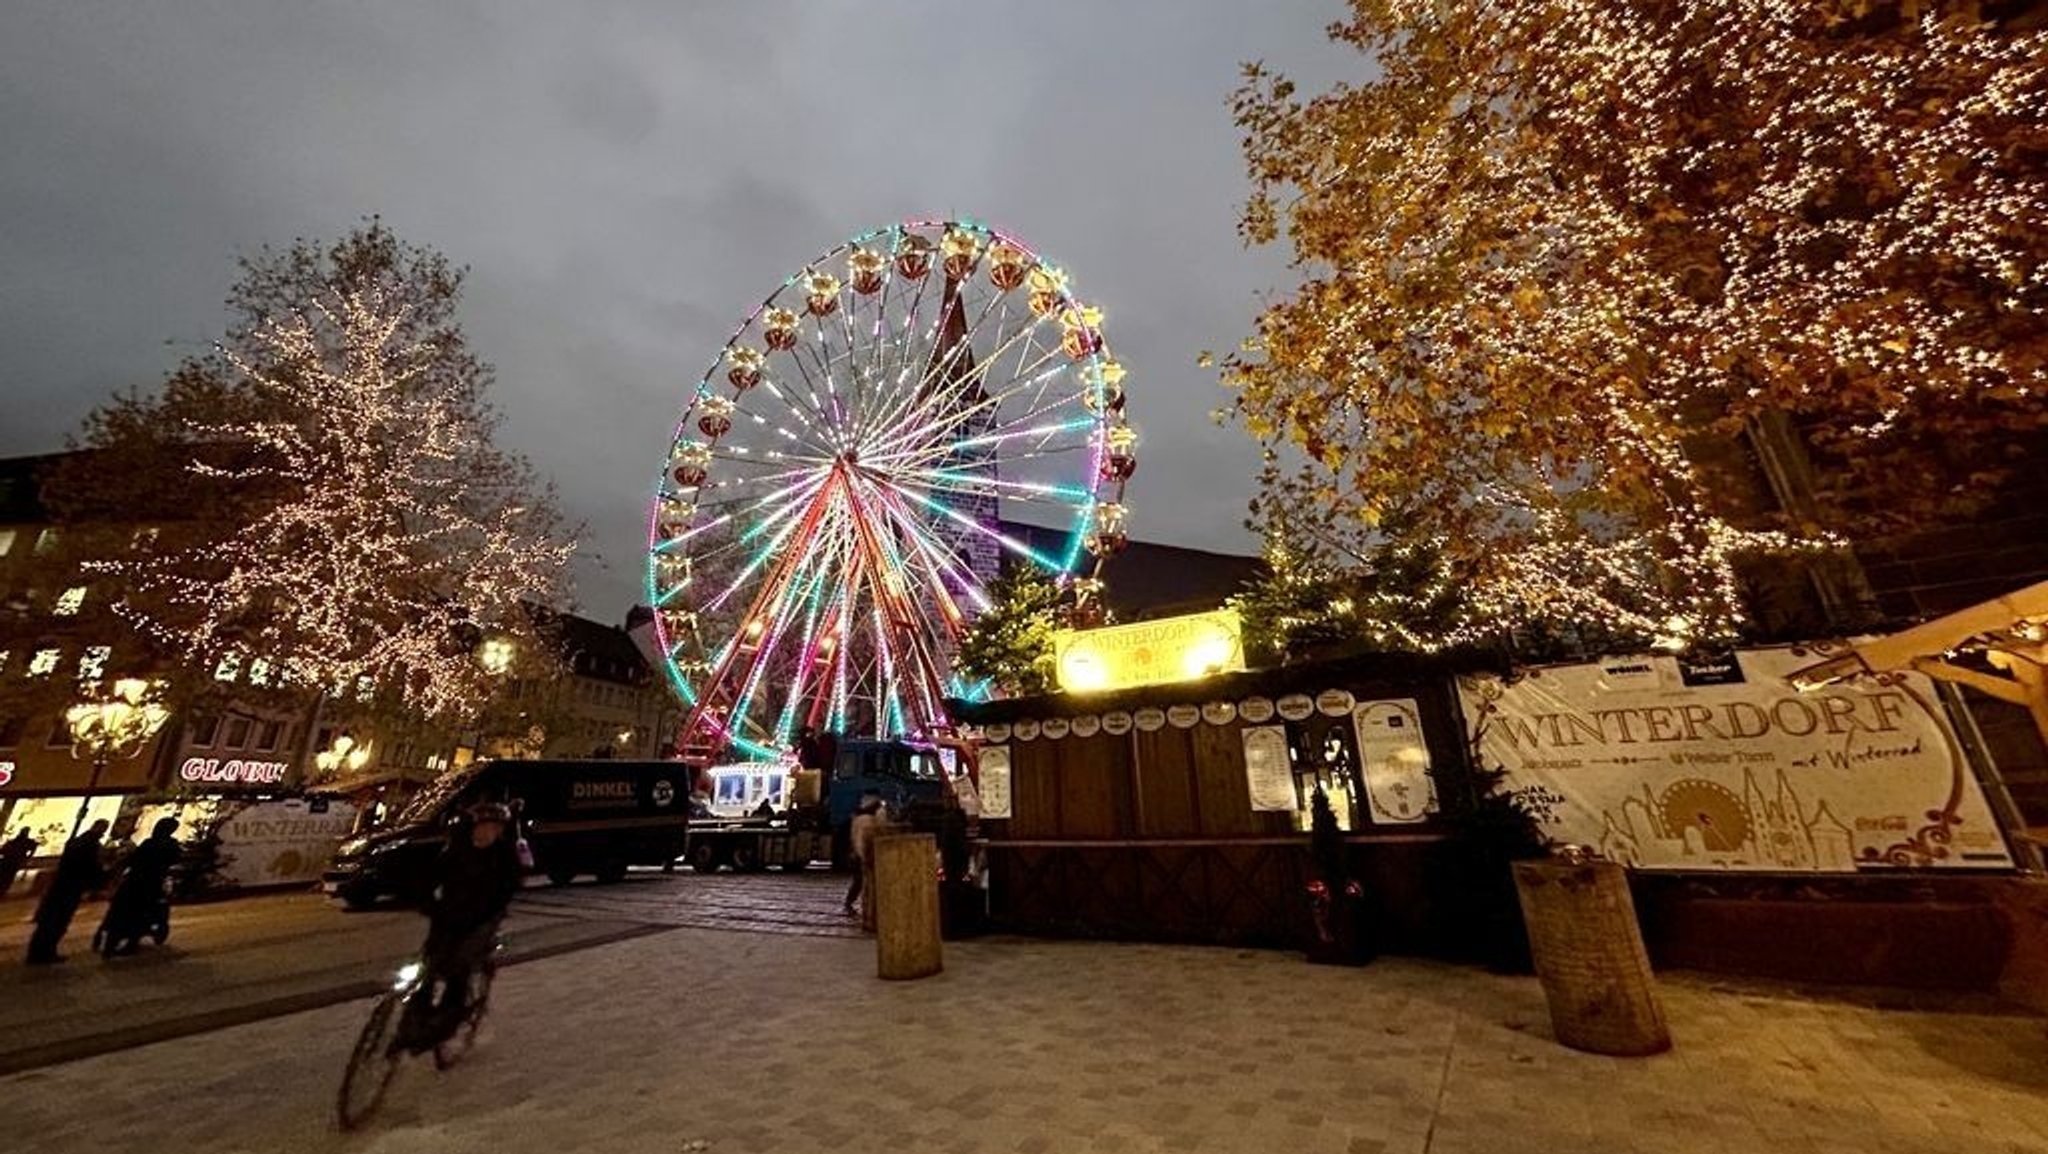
<point x="1398" y="787"/>
<point x="1737" y="771"/>
<point x="1267" y="770"/>
<point x="277" y="843"/>
<point x="994" y="762"/>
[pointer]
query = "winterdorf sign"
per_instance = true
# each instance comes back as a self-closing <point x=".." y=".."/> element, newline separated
<point x="1148" y="652"/>
<point x="232" y="771"/>
<point x="1738" y="771"/>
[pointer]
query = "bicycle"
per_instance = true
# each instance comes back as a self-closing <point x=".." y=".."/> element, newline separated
<point x="381" y="1048"/>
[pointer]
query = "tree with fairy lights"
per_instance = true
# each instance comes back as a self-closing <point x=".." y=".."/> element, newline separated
<point x="334" y="508"/>
<point x="1331" y="586"/>
<point x="1009" y="646"/>
<point x="1554" y="248"/>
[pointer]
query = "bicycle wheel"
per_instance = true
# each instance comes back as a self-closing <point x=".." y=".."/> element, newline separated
<point x="463" y="1040"/>
<point x="374" y="1061"/>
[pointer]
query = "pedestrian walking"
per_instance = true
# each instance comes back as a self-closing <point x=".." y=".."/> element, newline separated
<point x="78" y="873"/>
<point x="867" y="820"/>
<point x="140" y="905"/>
<point x="14" y="855"/>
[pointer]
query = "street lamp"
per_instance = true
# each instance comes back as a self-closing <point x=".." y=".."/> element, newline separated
<point x="115" y="726"/>
<point x="496" y="655"/>
<point x="343" y="753"/>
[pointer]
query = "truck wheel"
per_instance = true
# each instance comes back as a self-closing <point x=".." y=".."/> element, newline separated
<point x="561" y="875"/>
<point x="746" y="859"/>
<point x="704" y="857"/>
<point x="357" y="897"/>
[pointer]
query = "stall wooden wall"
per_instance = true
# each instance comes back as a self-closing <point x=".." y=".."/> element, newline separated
<point x="1151" y="836"/>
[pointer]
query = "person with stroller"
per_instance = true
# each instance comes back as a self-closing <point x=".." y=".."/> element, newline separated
<point x="140" y="905"/>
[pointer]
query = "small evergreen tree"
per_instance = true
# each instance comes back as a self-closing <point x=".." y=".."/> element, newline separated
<point x="1010" y="644"/>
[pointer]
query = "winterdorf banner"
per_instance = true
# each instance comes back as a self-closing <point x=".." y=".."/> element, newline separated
<point x="1738" y="771"/>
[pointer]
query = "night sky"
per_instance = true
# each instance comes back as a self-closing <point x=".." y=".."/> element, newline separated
<point x="625" y="182"/>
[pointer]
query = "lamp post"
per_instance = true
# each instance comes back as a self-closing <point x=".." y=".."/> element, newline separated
<point x="343" y="754"/>
<point x="114" y="726"/>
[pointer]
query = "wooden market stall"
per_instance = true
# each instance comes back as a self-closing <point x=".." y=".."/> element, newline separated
<point x="1139" y="813"/>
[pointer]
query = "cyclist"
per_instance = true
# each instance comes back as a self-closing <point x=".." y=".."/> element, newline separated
<point x="474" y="882"/>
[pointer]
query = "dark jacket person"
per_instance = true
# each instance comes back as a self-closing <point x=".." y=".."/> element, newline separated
<point x="138" y="905"/>
<point x="474" y="882"/>
<point x="13" y="855"/>
<point x="78" y="873"/>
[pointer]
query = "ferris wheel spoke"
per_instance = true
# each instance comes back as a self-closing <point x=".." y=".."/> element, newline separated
<point x="982" y="482"/>
<point x="917" y="348"/>
<point x="998" y="536"/>
<point x="942" y="561"/>
<point x="798" y="407"/>
<point x="806" y="434"/>
<point x="1041" y="430"/>
<point x="924" y="445"/>
<point x="934" y="431"/>
<point x="810" y="385"/>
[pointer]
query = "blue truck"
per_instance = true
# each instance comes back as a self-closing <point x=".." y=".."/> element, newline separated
<point x="909" y="776"/>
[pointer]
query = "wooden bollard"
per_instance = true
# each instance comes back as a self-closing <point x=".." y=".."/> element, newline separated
<point x="1589" y="955"/>
<point x="906" y="906"/>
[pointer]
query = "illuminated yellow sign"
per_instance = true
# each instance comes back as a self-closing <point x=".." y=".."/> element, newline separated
<point x="1149" y="652"/>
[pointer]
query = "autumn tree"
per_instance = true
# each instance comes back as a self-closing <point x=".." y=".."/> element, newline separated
<point x="1009" y="645"/>
<point x="1551" y="248"/>
<point x="336" y="521"/>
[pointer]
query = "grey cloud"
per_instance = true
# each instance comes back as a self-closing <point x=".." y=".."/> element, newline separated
<point x="626" y="181"/>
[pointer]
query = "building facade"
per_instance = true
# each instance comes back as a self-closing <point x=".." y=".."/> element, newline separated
<point x="240" y="741"/>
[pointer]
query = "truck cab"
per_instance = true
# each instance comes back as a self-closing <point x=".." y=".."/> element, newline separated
<point x="903" y="773"/>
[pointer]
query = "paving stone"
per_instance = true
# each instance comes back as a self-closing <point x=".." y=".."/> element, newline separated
<point x="784" y="1042"/>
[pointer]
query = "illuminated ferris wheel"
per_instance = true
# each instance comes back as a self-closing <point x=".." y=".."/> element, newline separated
<point x="853" y="470"/>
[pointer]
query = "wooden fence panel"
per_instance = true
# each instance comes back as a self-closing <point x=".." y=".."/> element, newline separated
<point x="1166" y="783"/>
<point x="1095" y="787"/>
<point x="1034" y="790"/>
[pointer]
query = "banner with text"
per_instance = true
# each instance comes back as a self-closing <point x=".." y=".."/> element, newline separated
<point x="1659" y="765"/>
<point x="281" y="842"/>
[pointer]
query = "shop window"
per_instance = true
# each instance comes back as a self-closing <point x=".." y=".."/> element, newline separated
<point x="204" y="731"/>
<point x="238" y="734"/>
<point x="273" y="732"/>
<point x="10" y="731"/>
<point x="69" y="602"/>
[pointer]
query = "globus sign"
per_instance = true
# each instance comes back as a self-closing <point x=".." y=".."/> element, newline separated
<point x="214" y="769"/>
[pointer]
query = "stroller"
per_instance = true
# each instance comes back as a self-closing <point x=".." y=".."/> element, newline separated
<point x="124" y="923"/>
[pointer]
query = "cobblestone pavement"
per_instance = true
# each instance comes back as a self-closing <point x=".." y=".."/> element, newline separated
<point x="241" y="960"/>
<point x="759" y="1044"/>
<point x="807" y="903"/>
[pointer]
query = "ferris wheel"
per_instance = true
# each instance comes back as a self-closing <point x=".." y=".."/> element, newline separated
<point x="909" y="413"/>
